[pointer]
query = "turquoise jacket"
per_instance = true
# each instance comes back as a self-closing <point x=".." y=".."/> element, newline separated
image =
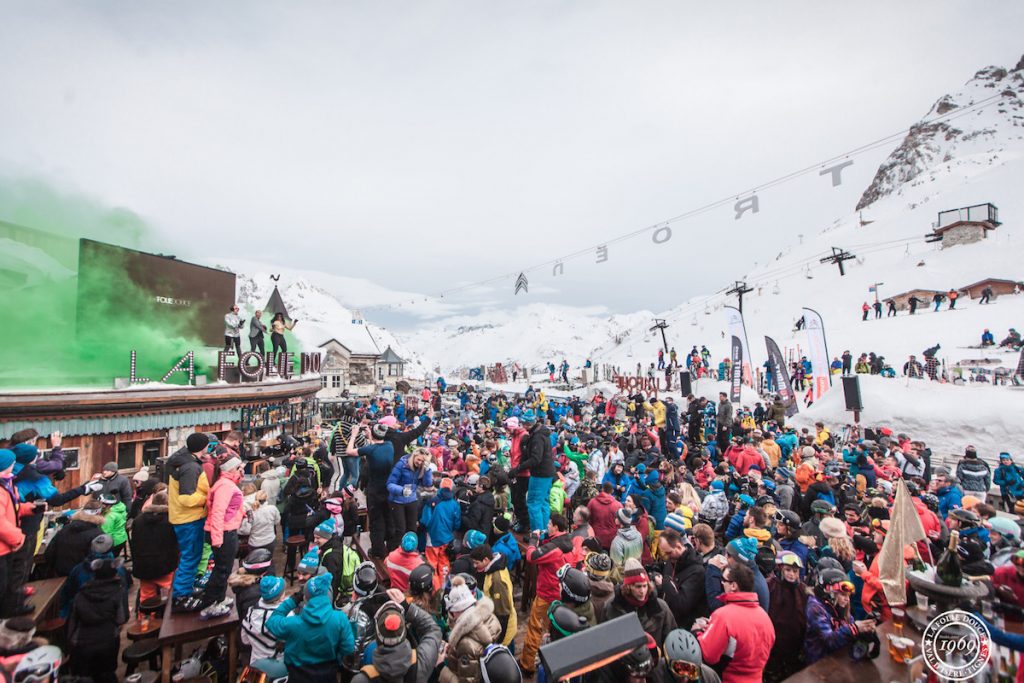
<point x="315" y="635"/>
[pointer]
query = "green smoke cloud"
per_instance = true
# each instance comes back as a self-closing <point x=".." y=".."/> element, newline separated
<point x="45" y="343"/>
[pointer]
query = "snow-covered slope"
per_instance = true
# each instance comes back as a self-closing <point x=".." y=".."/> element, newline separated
<point x="532" y="335"/>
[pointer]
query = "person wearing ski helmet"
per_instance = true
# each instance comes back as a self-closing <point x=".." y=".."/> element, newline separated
<point x="642" y="665"/>
<point x="787" y="608"/>
<point x="787" y="533"/>
<point x="575" y="587"/>
<point x="367" y="597"/>
<point x="830" y="626"/>
<point x="395" y="659"/>
<point x="684" y="661"/>
<point x="498" y="665"/>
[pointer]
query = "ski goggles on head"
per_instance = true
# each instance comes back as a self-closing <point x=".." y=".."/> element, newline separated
<point x="790" y="560"/>
<point x="684" y="671"/>
<point x="640" y="668"/>
<point x="840" y="587"/>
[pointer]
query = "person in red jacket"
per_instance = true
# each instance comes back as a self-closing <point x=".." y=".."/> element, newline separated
<point x="559" y="548"/>
<point x="743" y="457"/>
<point x="739" y="627"/>
<point x="402" y="560"/>
<point x="603" y="507"/>
<point x="11" y="536"/>
<point x="522" y="480"/>
<point x="1012" y="576"/>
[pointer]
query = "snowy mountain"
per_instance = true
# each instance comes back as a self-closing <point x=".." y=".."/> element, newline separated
<point x="532" y="335"/>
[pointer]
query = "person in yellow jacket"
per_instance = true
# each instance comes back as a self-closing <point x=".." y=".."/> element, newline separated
<point x="498" y="587"/>
<point x="187" y="488"/>
<point x="657" y="410"/>
<point x="822" y="435"/>
<point x="771" y="449"/>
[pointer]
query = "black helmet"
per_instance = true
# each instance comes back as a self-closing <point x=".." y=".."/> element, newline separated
<point x="640" y="661"/>
<point x="575" y="585"/>
<point x="789" y="518"/>
<point x="826" y="578"/>
<point x="828" y="563"/>
<point x="288" y="442"/>
<point x="967" y="518"/>
<point x="498" y="665"/>
<point x="765" y="559"/>
<point x="364" y="582"/>
<point x="682" y="646"/>
<point x="257" y="561"/>
<point x="421" y="580"/>
<point x="931" y="501"/>
<point x="564" y="621"/>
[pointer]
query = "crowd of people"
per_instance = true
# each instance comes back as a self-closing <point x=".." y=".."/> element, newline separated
<point x="747" y="548"/>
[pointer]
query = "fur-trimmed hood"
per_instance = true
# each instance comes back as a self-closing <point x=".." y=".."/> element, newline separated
<point x="156" y="509"/>
<point x="88" y="517"/>
<point x="478" y="623"/>
<point x="242" y="579"/>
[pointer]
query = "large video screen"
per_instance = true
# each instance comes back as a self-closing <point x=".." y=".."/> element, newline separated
<point x="174" y="297"/>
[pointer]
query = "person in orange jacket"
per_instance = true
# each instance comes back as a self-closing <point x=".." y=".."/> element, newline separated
<point x="11" y="536"/>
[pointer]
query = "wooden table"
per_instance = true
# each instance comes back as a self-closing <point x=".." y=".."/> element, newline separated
<point x="839" y="668"/>
<point x="178" y="629"/>
<point x="45" y="598"/>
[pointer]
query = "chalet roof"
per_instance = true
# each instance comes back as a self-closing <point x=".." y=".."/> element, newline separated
<point x="983" y="224"/>
<point x="917" y="290"/>
<point x="332" y="339"/>
<point x="389" y="356"/>
<point x="275" y="305"/>
<point x="991" y="280"/>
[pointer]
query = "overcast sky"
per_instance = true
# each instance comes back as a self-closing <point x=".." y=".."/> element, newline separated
<point x="426" y="144"/>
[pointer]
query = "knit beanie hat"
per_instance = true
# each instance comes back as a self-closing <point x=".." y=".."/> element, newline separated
<point x="197" y="442"/>
<point x="832" y="527"/>
<point x="25" y="453"/>
<point x="325" y="529"/>
<point x="784" y="472"/>
<point x="389" y="623"/>
<point x="101" y="545"/>
<point x="744" y="549"/>
<point x="475" y="538"/>
<point x="718" y="485"/>
<point x="319" y="584"/>
<point x="676" y="521"/>
<point x="624" y="516"/>
<point x="447" y="483"/>
<point x="410" y="541"/>
<point x="309" y="562"/>
<point x="6" y="459"/>
<point x="633" y="572"/>
<point x="271" y="587"/>
<point x="599" y="566"/>
<point x="460" y="597"/>
<point x="746" y="500"/>
<point x="230" y="464"/>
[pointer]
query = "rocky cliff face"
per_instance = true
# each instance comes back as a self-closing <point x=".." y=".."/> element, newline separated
<point x="973" y="126"/>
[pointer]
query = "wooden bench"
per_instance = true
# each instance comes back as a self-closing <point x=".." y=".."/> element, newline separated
<point x="44" y="599"/>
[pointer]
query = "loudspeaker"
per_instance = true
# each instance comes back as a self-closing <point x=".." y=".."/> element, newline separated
<point x="684" y="383"/>
<point x="851" y="392"/>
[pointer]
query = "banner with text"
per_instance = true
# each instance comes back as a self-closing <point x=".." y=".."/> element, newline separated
<point x="736" y="329"/>
<point x="780" y="377"/>
<point x="817" y="352"/>
<point x="736" y="376"/>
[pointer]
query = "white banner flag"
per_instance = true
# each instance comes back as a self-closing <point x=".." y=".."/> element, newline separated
<point x="817" y="352"/>
<point x="736" y="328"/>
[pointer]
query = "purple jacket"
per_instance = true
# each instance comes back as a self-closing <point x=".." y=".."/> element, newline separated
<point x="826" y="632"/>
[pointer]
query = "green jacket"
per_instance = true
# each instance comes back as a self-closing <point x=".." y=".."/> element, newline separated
<point x="114" y="523"/>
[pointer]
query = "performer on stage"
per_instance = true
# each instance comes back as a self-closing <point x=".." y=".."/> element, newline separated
<point x="256" y="331"/>
<point x="277" y="327"/>
<point x="232" y="324"/>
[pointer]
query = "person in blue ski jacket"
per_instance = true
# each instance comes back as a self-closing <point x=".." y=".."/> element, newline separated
<point x="1010" y="480"/>
<point x="619" y="480"/>
<point x="441" y="517"/>
<point x="654" y="500"/>
<point x="949" y="494"/>
<point x="735" y="526"/>
<point x="317" y="637"/>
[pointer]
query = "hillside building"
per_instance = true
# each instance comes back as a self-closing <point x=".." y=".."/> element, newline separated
<point x="966" y="225"/>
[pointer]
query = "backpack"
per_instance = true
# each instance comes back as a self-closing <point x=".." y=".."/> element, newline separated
<point x="370" y="671"/>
